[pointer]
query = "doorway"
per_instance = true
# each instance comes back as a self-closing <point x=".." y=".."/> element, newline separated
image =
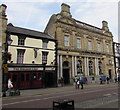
<point x="66" y="75"/>
<point x="110" y="76"/>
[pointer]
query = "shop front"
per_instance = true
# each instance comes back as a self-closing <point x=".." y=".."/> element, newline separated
<point x="32" y="77"/>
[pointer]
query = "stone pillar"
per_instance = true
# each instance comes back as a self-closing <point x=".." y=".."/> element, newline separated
<point x="75" y="65"/>
<point x="58" y="70"/>
<point x="96" y="67"/>
<point x="87" y="66"/>
<point x="73" y="69"/>
<point x="61" y="67"/>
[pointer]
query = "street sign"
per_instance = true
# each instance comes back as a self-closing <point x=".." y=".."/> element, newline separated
<point x="5" y="67"/>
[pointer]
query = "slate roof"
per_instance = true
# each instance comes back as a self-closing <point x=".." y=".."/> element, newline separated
<point x="28" y="32"/>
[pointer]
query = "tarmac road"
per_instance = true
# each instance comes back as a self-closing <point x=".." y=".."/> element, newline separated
<point x="45" y="97"/>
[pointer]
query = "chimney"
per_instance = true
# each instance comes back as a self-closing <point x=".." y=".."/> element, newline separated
<point x="3" y="24"/>
<point x="3" y="10"/>
<point x="65" y="10"/>
<point x="105" y="25"/>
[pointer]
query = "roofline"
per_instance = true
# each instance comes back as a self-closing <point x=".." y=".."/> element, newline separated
<point x="15" y="33"/>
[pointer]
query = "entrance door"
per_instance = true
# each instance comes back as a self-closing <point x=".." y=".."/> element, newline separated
<point x="110" y="76"/>
<point x="66" y="75"/>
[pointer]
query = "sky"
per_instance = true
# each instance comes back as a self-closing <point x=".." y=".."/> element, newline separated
<point x="35" y="14"/>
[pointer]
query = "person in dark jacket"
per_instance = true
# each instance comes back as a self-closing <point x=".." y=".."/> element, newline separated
<point x="107" y="79"/>
<point x="81" y="82"/>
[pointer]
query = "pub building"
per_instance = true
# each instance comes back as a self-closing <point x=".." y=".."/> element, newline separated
<point x="33" y="58"/>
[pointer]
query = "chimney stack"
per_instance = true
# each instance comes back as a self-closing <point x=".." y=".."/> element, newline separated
<point x="65" y="10"/>
<point x="105" y="25"/>
<point x="3" y="10"/>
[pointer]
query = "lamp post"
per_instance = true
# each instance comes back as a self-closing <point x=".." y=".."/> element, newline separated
<point x="44" y="62"/>
<point x="44" y="76"/>
<point x="6" y="57"/>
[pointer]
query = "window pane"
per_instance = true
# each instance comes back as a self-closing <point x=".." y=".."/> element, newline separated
<point x="89" y="45"/>
<point x="107" y="48"/>
<point x="78" y="43"/>
<point x="45" y="44"/>
<point x="20" y="56"/>
<point x="66" y="41"/>
<point x="99" y="47"/>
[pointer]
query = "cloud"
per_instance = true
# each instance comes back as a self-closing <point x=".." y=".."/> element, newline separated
<point x="27" y="14"/>
<point x="48" y="1"/>
<point x="95" y="13"/>
<point x="35" y="14"/>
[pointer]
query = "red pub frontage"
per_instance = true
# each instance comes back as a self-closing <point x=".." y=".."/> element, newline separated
<point x="31" y="76"/>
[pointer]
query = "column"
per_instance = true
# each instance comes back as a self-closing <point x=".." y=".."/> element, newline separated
<point x="97" y="67"/>
<point x="87" y="66"/>
<point x="58" y="69"/>
<point x="61" y="67"/>
<point x="73" y="70"/>
<point x="75" y="65"/>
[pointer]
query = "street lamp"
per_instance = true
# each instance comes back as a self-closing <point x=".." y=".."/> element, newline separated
<point x="44" y="62"/>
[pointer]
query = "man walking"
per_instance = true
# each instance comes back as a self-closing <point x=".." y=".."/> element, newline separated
<point x="81" y="82"/>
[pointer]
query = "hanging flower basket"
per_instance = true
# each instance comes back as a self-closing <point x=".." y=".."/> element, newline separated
<point x="7" y="56"/>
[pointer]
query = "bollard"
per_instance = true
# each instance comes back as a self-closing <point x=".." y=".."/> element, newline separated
<point x="63" y="104"/>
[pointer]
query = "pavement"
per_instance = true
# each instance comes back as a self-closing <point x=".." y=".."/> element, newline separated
<point x="42" y="91"/>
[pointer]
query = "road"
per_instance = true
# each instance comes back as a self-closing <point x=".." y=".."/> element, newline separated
<point x="96" y="97"/>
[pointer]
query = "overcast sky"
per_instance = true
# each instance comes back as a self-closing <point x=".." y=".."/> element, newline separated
<point x="35" y="14"/>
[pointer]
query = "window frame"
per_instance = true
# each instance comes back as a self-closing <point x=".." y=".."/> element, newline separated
<point x="20" y="56"/>
<point x="89" y="45"/>
<point x="78" y="43"/>
<point x="66" y="40"/>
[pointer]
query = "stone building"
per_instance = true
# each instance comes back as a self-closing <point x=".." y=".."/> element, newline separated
<point x="82" y="48"/>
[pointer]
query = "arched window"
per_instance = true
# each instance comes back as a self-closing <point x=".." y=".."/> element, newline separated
<point x="90" y="68"/>
<point x="79" y="67"/>
<point x="100" y="67"/>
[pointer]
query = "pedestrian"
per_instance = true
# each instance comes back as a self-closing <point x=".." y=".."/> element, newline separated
<point x="115" y="78"/>
<point x="85" y="80"/>
<point x="100" y="80"/>
<point x="62" y="81"/>
<point x="75" y="80"/>
<point x="119" y="79"/>
<point x="81" y="82"/>
<point x="10" y="85"/>
<point x="107" y="79"/>
<point x="78" y="83"/>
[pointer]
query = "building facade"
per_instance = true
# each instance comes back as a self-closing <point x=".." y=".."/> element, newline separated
<point x="30" y="58"/>
<point x="116" y="47"/>
<point x="82" y="48"/>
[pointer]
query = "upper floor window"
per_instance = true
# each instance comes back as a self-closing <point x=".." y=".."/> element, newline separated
<point x="89" y="45"/>
<point x="99" y="47"/>
<point x="21" y="40"/>
<point x="66" y="40"/>
<point x="44" y="44"/>
<point x="44" y="57"/>
<point x="78" y="43"/>
<point x="20" y="56"/>
<point x="107" y="48"/>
